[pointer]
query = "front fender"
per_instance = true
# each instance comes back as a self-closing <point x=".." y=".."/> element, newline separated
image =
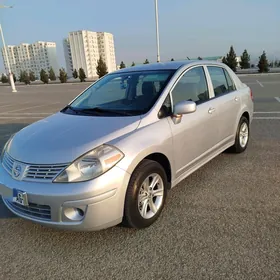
<point x="153" y="138"/>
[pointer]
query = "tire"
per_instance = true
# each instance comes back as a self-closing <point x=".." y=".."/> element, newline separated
<point x="239" y="146"/>
<point x="144" y="174"/>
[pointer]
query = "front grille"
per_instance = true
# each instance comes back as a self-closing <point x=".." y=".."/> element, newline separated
<point x="42" y="172"/>
<point x="34" y="172"/>
<point x="33" y="210"/>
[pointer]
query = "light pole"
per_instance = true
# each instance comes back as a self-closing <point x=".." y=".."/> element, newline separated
<point x="157" y="31"/>
<point x="6" y="54"/>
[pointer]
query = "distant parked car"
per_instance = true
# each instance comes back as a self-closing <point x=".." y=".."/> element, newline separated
<point x="115" y="151"/>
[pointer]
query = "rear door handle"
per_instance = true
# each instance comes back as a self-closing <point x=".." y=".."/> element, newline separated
<point x="211" y="110"/>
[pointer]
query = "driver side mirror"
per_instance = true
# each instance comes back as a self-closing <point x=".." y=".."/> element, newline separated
<point x="183" y="108"/>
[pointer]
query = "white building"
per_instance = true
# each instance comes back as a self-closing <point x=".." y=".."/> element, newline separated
<point x="68" y="57"/>
<point x="32" y="57"/>
<point x="83" y="48"/>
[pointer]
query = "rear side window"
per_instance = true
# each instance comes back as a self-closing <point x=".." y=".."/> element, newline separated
<point x="231" y="85"/>
<point x="222" y="83"/>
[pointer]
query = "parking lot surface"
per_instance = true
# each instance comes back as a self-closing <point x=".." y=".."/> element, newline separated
<point x="222" y="222"/>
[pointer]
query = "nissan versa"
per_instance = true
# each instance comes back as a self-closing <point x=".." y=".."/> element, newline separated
<point x="115" y="151"/>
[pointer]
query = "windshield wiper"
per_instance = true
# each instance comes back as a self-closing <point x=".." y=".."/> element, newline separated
<point x="71" y="108"/>
<point x="104" y="110"/>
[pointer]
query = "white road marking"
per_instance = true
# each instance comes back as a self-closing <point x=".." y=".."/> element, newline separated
<point x="257" y="74"/>
<point x="27" y="114"/>
<point x="19" y="118"/>
<point x="260" y="83"/>
<point x="276" y="112"/>
<point x="9" y="105"/>
<point x="23" y="109"/>
<point x="266" y="118"/>
<point x="277" y="98"/>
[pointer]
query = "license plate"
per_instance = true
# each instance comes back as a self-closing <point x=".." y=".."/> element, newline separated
<point x="20" y="197"/>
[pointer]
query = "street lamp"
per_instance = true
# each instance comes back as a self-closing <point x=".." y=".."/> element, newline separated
<point x="157" y="31"/>
<point x="6" y="54"/>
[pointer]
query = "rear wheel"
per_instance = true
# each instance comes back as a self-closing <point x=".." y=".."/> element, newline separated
<point x="242" y="136"/>
<point x="146" y="194"/>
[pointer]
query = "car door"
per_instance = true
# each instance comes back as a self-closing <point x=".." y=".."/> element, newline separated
<point x="197" y="133"/>
<point x="228" y="102"/>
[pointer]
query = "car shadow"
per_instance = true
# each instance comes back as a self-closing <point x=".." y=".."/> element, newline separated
<point x="6" y="130"/>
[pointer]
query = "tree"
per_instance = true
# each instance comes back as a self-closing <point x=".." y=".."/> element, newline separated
<point x="32" y="76"/>
<point x="230" y="59"/>
<point x="172" y="59"/>
<point x="21" y="76"/>
<point x="26" y="78"/>
<point x="133" y="64"/>
<point x="245" y="60"/>
<point x="146" y="61"/>
<point x="44" y="77"/>
<point x="62" y="75"/>
<point x="75" y="74"/>
<point x="122" y="65"/>
<point x="52" y="75"/>
<point x="15" y="78"/>
<point x="82" y="75"/>
<point x="199" y="58"/>
<point x="4" y="79"/>
<point x="263" y="63"/>
<point x="224" y="60"/>
<point x="101" y="68"/>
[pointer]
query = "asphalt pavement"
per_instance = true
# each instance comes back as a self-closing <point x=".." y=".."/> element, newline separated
<point x="222" y="222"/>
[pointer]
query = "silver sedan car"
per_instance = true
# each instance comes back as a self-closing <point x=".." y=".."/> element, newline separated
<point x="112" y="155"/>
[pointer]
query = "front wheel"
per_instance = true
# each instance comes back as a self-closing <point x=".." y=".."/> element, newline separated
<point x="146" y="194"/>
<point x="242" y="136"/>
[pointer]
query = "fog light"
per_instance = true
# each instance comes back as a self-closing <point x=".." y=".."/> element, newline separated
<point x="74" y="214"/>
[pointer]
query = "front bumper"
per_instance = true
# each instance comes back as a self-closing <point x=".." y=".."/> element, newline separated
<point x="101" y="199"/>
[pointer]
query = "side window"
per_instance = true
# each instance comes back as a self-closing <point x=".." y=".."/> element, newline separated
<point x="167" y="105"/>
<point x="231" y="85"/>
<point x="166" y="108"/>
<point x="192" y="86"/>
<point x="221" y="80"/>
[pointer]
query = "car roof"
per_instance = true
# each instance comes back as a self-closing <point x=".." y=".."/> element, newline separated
<point x="170" y="65"/>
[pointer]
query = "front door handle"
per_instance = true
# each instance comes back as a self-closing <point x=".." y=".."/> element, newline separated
<point x="211" y="110"/>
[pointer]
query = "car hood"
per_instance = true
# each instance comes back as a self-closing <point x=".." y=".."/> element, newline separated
<point x="61" y="138"/>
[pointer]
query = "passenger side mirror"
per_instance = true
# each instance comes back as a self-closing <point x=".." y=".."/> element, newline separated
<point x="184" y="107"/>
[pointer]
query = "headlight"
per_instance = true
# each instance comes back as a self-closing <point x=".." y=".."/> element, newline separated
<point x="5" y="147"/>
<point x="91" y="165"/>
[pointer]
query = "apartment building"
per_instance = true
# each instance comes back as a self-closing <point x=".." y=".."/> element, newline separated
<point x="83" y="48"/>
<point x="32" y="57"/>
<point x="68" y="57"/>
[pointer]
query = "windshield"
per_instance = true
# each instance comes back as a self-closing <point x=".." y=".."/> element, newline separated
<point x="130" y="93"/>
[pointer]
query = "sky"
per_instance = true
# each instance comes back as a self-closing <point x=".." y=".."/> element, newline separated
<point x="188" y="28"/>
